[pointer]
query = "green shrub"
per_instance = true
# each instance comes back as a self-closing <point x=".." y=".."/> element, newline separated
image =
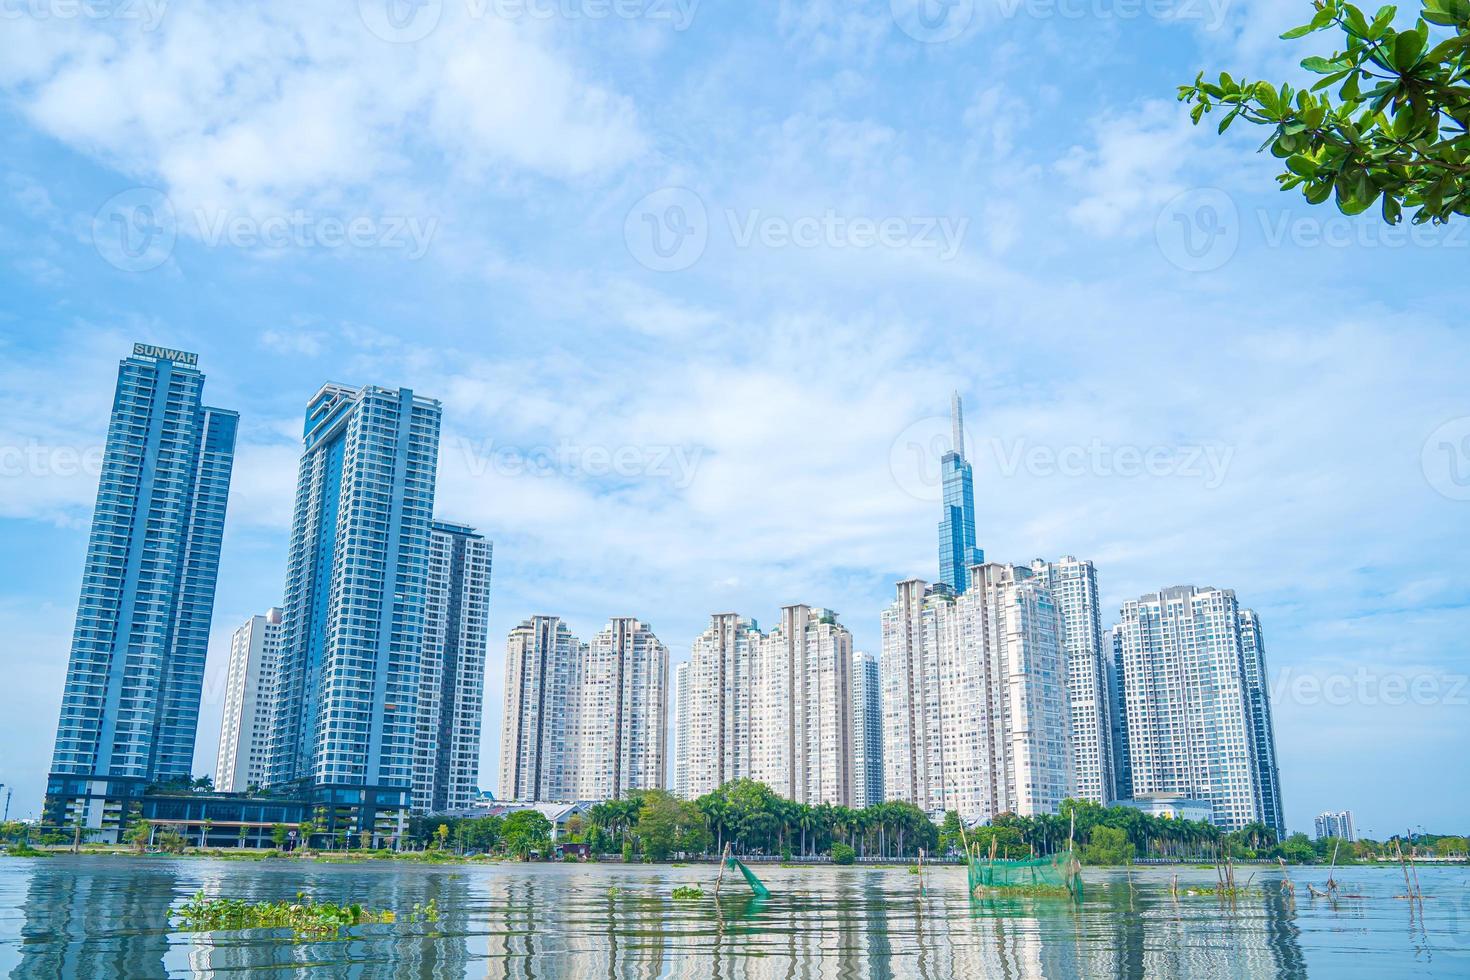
<point x="843" y="854"/>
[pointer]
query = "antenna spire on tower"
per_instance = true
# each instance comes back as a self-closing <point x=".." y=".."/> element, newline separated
<point x="957" y="424"/>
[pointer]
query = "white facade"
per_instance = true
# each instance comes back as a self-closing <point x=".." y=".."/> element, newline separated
<point x="1187" y="703"/>
<point x="543" y="677"/>
<point x="681" y="730"/>
<point x="1338" y="824"/>
<point x="250" y="690"/>
<point x="722" y="665"/>
<point x="975" y="714"/>
<point x="801" y="739"/>
<point x="867" y="730"/>
<point x="624" y="701"/>
<point x="1073" y="586"/>
<point x="451" y="699"/>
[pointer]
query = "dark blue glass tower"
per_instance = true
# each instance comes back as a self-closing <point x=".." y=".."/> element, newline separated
<point x="957" y="550"/>
<point x="130" y="708"/>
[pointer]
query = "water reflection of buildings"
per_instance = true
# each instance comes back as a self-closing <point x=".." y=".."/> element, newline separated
<point x="584" y="923"/>
<point x="80" y="926"/>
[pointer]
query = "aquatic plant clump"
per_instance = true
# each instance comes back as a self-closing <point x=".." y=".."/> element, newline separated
<point x="304" y="916"/>
<point x="686" y="893"/>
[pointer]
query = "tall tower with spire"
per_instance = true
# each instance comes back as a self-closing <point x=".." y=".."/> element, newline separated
<point x="957" y="549"/>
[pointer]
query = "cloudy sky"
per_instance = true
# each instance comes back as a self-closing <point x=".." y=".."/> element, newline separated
<point x="694" y="282"/>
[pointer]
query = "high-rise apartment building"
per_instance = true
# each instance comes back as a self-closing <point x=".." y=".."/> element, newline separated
<point x="357" y="583"/>
<point x="1338" y="824"/>
<point x="130" y="707"/>
<point x="543" y="682"/>
<point x="1263" y="731"/>
<point x="451" y="697"/>
<point x="1188" y="702"/>
<point x="250" y="694"/>
<point x="957" y="550"/>
<point x="802" y="730"/>
<point x="1073" y="587"/>
<point x="624" y="703"/>
<point x="1118" y="717"/>
<point x="680" y="780"/>
<point x="776" y="708"/>
<point x="975" y="697"/>
<point x="867" y="730"/>
<point x="721" y="702"/>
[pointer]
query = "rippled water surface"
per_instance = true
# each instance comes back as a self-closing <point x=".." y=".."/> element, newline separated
<point x="109" y="917"/>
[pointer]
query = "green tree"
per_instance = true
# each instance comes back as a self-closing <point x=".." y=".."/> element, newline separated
<point x="138" y="835"/>
<point x="1108" y="845"/>
<point x="279" y="834"/>
<point x="842" y="854"/>
<point x="526" y="831"/>
<point x="951" y="832"/>
<point x="1298" y="849"/>
<point x="1397" y="129"/>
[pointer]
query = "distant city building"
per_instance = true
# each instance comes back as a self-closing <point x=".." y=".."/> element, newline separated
<point x="130" y="707"/>
<point x="1118" y="717"/>
<point x="1263" y="731"/>
<point x="975" y="697"/>
<point x="957" y="550"/>
<point x="1187" y="696"/>
<point x="357" y="583"/>
<point x="250" y="692"/>
<point x="802" y="713"/>
<point x="722" y="666"/>
<point x="681" y="731"/>
<point x="624" y="704"/>
<point x="1073" y="586"/>
<point x="1339" y="824"/>
<point x="451" y="696"/>
<point x="867" y="730"/>
<point x="543" y="679"/>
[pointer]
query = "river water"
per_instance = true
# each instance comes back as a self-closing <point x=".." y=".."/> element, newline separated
<point x="109" y="917"/>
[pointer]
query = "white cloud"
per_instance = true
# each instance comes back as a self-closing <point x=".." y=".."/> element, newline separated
<point x="260" y="108"/>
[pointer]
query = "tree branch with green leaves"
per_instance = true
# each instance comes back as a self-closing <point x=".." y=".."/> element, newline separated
<point x="1399" y="128"/>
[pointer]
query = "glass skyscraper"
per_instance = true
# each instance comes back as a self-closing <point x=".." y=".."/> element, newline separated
<point x="957" y="550"/>
<point x="357" y="580"/>
<point x="130" y="708"/>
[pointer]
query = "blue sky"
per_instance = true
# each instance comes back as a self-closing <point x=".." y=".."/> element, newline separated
<point x="717" y="268"/>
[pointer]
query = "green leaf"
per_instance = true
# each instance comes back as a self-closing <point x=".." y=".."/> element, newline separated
<point x="1331" y="79"/>
<point x="1381" y="21"/>
<point x="1393" y="213"/>
<point x="1303" y="165"/>
<point x="1297" y="32"/>
<point x="1321" y="65"/>
<point x="1406" y="50"/>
